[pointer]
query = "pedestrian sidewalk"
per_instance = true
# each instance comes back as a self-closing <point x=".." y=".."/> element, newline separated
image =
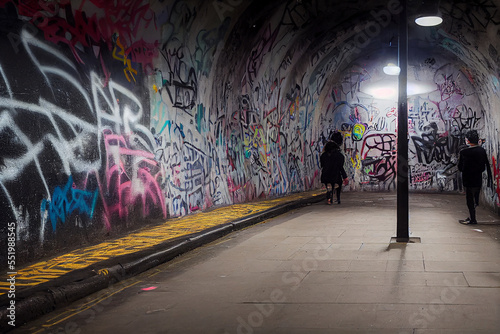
<point x="52" y="283"/>
<point x="319" y="269"/>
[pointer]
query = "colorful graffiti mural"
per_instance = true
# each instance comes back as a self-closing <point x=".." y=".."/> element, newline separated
<point x="117" y="115"/>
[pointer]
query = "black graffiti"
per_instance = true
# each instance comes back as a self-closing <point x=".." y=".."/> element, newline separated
<point x="181" y="81"/>
<point x="448" y="87"/>
<point x="257" y="54"/>
<point x="381" y="169"/>
<point x="466" y="118"/>
<point x="378" y="157"/>
<point x="433" y="147"/>
<point x="483" y="14"/>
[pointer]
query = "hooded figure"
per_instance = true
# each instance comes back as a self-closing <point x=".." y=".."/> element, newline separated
<point x="332" y="170"/>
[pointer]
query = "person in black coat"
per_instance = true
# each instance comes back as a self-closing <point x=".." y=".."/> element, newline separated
<point x="332" y="170"/>
<point x="472" y="162"/>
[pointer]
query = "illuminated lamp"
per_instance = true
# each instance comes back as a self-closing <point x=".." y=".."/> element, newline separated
<point x="429" y="21"/>
<point x="391" y="69"/>
<point x="428" y="14"/>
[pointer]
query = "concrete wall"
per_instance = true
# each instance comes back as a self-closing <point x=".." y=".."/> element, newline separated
<point x="117" y="116"/>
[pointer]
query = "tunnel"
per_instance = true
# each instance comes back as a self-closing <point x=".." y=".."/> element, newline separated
<point x="116" y="116"/>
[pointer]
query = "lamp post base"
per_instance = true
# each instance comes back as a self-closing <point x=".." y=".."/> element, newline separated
<point x="409" y="240"/>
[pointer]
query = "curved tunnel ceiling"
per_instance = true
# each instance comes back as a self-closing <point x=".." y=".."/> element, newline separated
<point x="330" y="37"/>
<point x="197" y="104"/>
<point x="318" y="64"/>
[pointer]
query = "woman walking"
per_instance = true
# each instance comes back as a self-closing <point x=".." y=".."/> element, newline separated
<point x="332" y="170"/>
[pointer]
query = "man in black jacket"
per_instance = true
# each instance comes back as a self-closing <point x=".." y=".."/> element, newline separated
<point x="472" y="162"/>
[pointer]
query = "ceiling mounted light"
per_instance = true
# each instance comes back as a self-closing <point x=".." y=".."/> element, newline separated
<point x="391" y="69"/>
<point x="428" y="21"/>
<point x="428" y="13"/>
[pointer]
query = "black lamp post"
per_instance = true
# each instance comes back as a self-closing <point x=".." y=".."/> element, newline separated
<point x="402" y="233"/>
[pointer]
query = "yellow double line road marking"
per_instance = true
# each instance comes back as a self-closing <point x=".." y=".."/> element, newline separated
<point x="81" y="258"/>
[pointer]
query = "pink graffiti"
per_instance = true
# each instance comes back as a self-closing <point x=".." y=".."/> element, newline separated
<point x="448" y="87"/>
<point x="392" y="113"/>
<point x="130" y="20"/>
<point x="126" y="187"/>
<point x="379" y="156"/>
<point x="422" y="177"/>
<point x="411" y="126"/>
<point x="496" y="179"/>
<point x="310" y="180"/>
<point x="239" y="193"/>
<point x="378" y="145"/>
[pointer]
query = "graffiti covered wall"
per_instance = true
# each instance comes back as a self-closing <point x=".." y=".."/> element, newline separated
<point x="461" y="93"/>
<point x="437" y="122"/>
<point x="78" y="157"/>
<point x="114" y="116"/>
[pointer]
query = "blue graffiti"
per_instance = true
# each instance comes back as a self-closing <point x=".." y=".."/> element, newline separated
<point x="176" y="128"/>
<point x="66" y="201"/>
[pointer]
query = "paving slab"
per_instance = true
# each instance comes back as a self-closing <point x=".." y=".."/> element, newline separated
<point x="317" y="269"/>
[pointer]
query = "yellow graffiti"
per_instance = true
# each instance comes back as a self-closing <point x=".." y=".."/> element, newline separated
<point x="103" y="272"/>
<point x="45" y="271"/>
<point x="120" y="55"/>
<point x="358" y="131"/>
<point x="258" y="142"/>
<point x="356" y="162"/>
<point x="294" y="107"/>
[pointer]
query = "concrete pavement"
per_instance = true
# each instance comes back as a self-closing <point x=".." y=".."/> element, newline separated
<point x="317" y="269"/>
<point x="52" y="283"/>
